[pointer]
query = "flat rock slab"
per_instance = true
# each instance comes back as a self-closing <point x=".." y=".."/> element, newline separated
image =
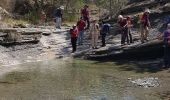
<point x="116" y="50"/>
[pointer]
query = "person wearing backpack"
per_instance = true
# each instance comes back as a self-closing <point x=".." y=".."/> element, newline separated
<point x="105" y="29"/>
<point x="94" y="33"/>
<point x="85" y="13"/>
<point x="166" y="38"/>
<point x="129" y="25"/>
<point x="58" y="15"/>
<point x="81" y="24"/>
<point x="74" y="35"/>
<point x="145" y="25"/>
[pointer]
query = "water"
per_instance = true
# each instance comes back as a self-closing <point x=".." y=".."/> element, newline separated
<point x="69" y="80"/>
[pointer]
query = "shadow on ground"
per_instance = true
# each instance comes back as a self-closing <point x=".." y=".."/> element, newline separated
<point x="142" y="66"/>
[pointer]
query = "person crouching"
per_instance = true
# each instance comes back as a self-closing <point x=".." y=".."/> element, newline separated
<point x="74" y="35"/>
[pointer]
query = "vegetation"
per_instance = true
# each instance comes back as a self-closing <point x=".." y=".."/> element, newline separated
<point x="30" y="9"/>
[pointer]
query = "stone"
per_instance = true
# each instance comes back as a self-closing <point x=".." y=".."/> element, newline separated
<point x="146" y="82"/>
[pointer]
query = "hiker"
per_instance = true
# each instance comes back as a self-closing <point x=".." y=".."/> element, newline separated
<point x="129" y="25"/>
<point x="166" y="38"/>
<point x="145" y="25"/>
<point x="85" y="15"/>
<point x="94" y="33"/>
<point x="58" y="14"/>
<point x="43" y="18"/>
<point x="105" y="29"/>
<point x="124" y="29"/>
<point x="74" y="35"/>
<point x="81" y="24"/>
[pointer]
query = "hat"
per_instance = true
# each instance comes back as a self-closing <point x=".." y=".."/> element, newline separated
<point x="120" y="17"/>
<point x="62" y="7"/>
<point x="74" y="25"/>
<point x="147" y="11"/>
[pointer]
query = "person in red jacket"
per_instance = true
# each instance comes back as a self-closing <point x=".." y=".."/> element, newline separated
<point x="85" y="15"/>
<point x="81" y="24"/>
<point x="145" y="25"/>
<point x="74" y="35"/>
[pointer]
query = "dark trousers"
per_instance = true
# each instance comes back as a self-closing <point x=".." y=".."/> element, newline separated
<point x="124" y="36"/>
<point x="130" y="36"/>
<point x="87" y="20"/>
<point x="74" y="43"/>
<point x="103" y="39"/>
<point x="167" y="55"/>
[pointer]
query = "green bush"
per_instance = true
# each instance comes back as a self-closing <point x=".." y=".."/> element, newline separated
<point x="32" y="17"/>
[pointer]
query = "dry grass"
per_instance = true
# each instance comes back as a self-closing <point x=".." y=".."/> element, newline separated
<point x="12" y="22"/>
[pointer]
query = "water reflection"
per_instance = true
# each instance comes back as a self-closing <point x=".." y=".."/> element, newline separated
<point x="62" y="80"/>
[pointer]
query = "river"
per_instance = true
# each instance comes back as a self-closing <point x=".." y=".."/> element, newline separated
<point x="74" y="79"/>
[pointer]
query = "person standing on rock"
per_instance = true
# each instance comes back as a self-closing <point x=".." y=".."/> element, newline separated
<point x="145" y="25"/>
<point x="166" y="38"/>
<point x="43" y="18"/>
<point x="105" y="29"/>
<point x="129" y="25"/>
<point x="124" y="29"/>
<point x="94" y="33"/>
<point x="74" y="35"/>
<point x="85" y="14"/>
<point x="58" y="14"/>
<point x="81" y="24"/>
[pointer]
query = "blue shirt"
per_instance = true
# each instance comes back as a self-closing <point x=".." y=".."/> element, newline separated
<point x="58" y="13"/>
<point x="105" y="28"/>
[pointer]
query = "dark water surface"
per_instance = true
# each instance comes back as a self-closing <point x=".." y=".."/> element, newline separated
<point x="72" y="80"/>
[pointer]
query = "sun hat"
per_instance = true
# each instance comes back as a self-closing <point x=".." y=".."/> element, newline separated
<point x="62" y="7"/>
<point x="120" y="17"/>
<point x="147" y="11"/>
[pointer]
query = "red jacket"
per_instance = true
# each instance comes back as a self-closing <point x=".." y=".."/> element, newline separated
<point x="123" y="23"/>
<point x="74" y="32"/>
<point x="85" y="12"/>
<point x="81" y="25"/>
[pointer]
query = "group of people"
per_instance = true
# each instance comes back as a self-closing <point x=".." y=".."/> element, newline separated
<point x="125" y="24"/>
<point x="85" y="24"/>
